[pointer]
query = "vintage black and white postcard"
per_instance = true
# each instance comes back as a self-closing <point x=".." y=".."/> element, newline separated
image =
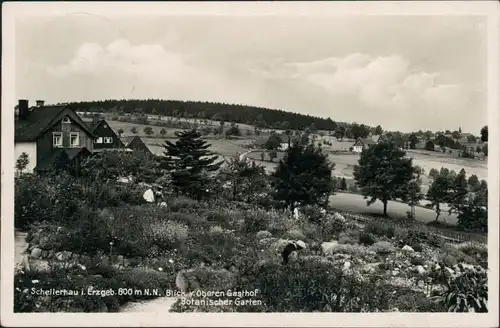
<point x="250" y="164"/>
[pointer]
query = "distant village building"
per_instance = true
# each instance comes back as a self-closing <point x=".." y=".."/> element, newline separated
<point x="362" y="143"/>
<point x="136" y="144"/>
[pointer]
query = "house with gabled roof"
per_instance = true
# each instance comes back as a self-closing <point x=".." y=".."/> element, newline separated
<point x="50" y="135"/>
<point x="135" y="143"/>
<point x="362" y="143"/>
<point x="105" y="137"/>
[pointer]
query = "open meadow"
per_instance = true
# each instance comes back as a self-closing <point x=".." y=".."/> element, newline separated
<point x="344" y="162"/>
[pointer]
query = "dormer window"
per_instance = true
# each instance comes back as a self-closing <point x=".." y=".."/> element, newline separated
<point x="66" y="120"/>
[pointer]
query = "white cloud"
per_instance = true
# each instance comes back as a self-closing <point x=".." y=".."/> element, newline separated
<point x="362" y="86"/>
<point x="150" y="71"/>
<point x="143" y="61"/>
<point x="387" y="83"/>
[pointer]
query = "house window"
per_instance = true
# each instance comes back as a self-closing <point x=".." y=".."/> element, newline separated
<point x="74" y="139"/>
<point x="108" y="140"/>
<point x="66" y="120"/>
<point x="57" y="139"/>
<point x="98" y="140"/>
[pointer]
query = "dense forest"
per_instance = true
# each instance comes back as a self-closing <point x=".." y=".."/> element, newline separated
<point x="258" y="116"/>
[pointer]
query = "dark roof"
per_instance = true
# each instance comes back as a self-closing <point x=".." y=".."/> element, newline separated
<point x="41" y="119"/>
<point x="70" y="152"/>
<point x="368" y="141"/>
<point x="364" y="141"/>
<point x="95" y="124"/>
<point x="128" y="140"/>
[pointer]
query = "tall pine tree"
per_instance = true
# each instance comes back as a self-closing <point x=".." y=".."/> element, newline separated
<point x="190" y="162"/>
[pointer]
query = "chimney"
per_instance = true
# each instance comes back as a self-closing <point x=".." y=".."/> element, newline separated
<point x="23" y="109"/>
<point x="40" y="103"/>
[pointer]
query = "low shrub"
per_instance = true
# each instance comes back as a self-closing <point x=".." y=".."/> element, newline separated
<point x="294" y="235"/>
<point x="458" y="256"/>
<point x="168" y="234"/>
<point x="408" y="300"/>
<point x="382" y="247"/>
<point x="417" y="260"/>
<point x="312" y="213"/>
<point x="147" y="279"/>
<point x="263" y="234"/>
<point x="256" y="220"/>
<point x="189" y="219"/>
<point x="447" y="259"/>
<point x="477" y="251"/>
<point x="219" y="217"/>
<point x="366" y="239"/>
<point x="380" y="229"/>
<point x="354" y="250"/>
<point x="331" y="227"/>
<point x="182" y="204"/>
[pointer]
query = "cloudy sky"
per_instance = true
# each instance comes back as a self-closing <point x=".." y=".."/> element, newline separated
<point x="403" y="72"/>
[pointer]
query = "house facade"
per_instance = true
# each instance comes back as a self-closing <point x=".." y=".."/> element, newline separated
<point x="361" y="144"/>
<point x="49" y="133"/>
<point x="135" y="143"/>
<point x="105" y="137"/>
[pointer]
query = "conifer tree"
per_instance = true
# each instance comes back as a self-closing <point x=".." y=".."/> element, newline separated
<point x="190" y="163"/>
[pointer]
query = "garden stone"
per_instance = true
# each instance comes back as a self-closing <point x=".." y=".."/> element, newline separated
<point x="408" y="249"/>
<point x="63" y="256"/>
<point x="420" y="269"/>
<point x="149" y="196"/>
<point x="327" y="247"/>
<point x="36" y="253"/>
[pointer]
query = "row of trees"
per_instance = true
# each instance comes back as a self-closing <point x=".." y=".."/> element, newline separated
<point x="385" y="173"/>
<point x="259" y="116"/>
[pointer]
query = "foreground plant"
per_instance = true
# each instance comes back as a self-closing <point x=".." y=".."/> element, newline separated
<point x="466" y="293"/>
